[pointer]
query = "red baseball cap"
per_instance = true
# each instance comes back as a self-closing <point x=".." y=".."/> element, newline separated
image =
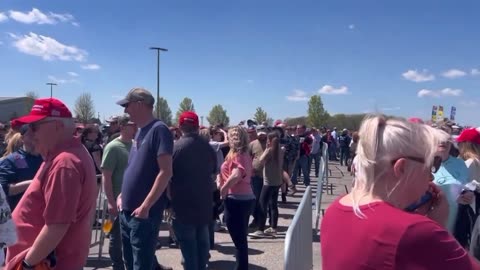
<point x="188" y="117"/>
<point x="469" y="135"/>
<point x="45" y="107"/>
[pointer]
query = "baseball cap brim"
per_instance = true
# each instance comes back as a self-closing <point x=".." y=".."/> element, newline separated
<point x="123" y="102"/>
<point x="27" y="119"/>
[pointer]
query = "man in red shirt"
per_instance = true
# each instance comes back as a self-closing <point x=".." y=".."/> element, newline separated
<point x="55" y="214"/>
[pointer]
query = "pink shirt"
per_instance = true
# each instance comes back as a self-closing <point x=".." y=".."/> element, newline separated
<point x="388" y="238"/>
<point x="62" y="192"/>
<point x="243" y="162"/>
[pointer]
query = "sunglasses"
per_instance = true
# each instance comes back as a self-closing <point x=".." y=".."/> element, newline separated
<point x="35" y="126"/>
<point x="437" y="162"/>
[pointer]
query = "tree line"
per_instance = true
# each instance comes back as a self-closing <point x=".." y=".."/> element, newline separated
<point x="316" y="116"/>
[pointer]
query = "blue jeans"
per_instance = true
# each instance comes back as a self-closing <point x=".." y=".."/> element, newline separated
<point x="301" y="164"/>
<point x="194" y="244"/>
<point x="139" y="238"/>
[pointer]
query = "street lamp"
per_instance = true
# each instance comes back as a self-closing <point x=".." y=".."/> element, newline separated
<point x="51" y="88"/>
<point x="158" y="75"/>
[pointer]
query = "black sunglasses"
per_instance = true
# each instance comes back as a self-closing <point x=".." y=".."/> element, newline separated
<point x="437" y="162"/>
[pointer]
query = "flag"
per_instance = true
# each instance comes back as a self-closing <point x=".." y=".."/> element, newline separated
<point x="453" y="113"/>
<point x="440" y="113"/>
<point x="434" y="114"/>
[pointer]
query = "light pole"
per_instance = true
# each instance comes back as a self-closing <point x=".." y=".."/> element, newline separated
<point x="201" y="117"/>
<point x="51" y="88"/>
<point x="158" y="75"/>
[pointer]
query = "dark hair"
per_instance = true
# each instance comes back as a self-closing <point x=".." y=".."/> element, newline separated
<point x="280" y="131"/>
<point x="275" y="145"/>
<point x="188" y="128"/>
<point x="87" y="131"/>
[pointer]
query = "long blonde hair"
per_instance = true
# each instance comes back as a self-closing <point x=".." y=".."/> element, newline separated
<point x="14" y="144"/>
<point x="238" y="141"/>
<point x="469" y="150"/>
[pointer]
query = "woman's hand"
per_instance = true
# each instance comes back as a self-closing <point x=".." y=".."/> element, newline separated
<point x="466" y="198"/>
<point x="438" y="209"/>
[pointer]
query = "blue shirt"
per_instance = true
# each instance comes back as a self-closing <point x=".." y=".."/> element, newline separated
<point x="17" y="167"/>
<point x="151" y="141"/>
<point x="451" y="177"/>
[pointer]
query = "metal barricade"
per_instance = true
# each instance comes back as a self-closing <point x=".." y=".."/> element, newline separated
<point x="298" y="240"/>
<point x="101" y="210"/>
<point x="322" y="180"/>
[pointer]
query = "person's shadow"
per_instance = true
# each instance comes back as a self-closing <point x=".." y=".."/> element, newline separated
<point x="221" y="265"/>
<point x="229" y="250"/>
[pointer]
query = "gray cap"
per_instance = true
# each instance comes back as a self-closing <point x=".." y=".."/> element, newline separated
<point x="124" y="120"/>
<point x="137" y="94"/>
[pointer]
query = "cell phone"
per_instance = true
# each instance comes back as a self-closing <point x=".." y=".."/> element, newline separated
<point x="423" y="200"/>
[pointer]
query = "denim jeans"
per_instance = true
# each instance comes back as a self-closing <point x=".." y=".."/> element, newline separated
<point x="301" y="164"/>
<point x="194" y="244"/>
<point x="237" y="213"/>
<point x="257" y="184"/>
<point x="315" y="159"/>
<point x="139" y="238"/>
<point x="115" y="246"/>
<point x="344" y="155"/>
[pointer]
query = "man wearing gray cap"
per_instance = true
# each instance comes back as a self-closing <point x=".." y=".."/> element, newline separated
<point x="142" y="199"/>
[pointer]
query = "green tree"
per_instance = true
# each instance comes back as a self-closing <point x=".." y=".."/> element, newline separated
<point x="84" y="108"/>
<point x="218" y="115"/>
<point x="317" y="115"/>
<point x="32" y="96"/>
<point x="260" y="116"/>
<point x="185" y="105"/>
<point x="293" y="121"/>
<point x="165" y="114"/>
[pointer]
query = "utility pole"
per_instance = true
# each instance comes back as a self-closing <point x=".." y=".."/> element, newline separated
<point x="201" y="117"/>
<point x="158" y="49"/>
<point x="51" y="88"/>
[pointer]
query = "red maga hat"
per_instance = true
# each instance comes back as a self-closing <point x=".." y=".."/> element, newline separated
<point x="469" y="135"/>
<point x="45" y="107"/>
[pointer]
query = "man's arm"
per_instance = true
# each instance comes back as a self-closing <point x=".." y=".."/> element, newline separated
<point x="161" y="181"/>
<point x="17" y="188"/>
<point x="108" y="189"/>
<point x="48" y="239"/>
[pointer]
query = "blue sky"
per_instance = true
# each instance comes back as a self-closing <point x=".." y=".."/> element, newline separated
<point x="399" y="58"/>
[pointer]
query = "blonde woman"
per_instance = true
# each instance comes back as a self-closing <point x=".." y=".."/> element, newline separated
<point x="15" y="142"/>
<point x="469" y="147"/>
<point x="235" y="189"/>
<point x="394" y="217"/>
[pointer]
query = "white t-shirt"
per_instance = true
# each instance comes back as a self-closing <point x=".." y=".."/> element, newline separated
<point x="473" y="166"/>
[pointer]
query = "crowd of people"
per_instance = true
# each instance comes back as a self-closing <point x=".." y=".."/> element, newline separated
<point x="204" y="178"/>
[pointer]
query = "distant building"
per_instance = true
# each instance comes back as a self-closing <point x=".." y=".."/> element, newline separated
<point x="13" y="107"/>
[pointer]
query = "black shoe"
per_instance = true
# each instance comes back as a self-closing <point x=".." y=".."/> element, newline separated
<point x="284" y="197"/>
<point x="253" y="225"/>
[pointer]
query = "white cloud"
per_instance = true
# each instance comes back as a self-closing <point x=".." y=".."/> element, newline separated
<point x="73" y="74"/>
<point x="47" y="48"/>
<point x="391" y="109"/>
<point x="351" y="26"/>
<point x="91" y="67"/>
<point x="330" y="90"/>
<point x="418" y="76"/>
<point x="454" y="73"/>
<point x="469" y="103"/>
<point x="475" y="72"/>
<point x="440" y="93"/>
<point x="250" y="81"/>
<point x="298" y="95"/>
<point x="35" y="16"/>
<point x="58" y="80"/>
<point x="3" y="17"/>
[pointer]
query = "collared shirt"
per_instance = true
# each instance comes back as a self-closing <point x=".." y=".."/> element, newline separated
<point x="194" y="163"/>
<point x="17" y="167"/>
<point x="115" y="159"/>
<point x="62" y="192"/>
